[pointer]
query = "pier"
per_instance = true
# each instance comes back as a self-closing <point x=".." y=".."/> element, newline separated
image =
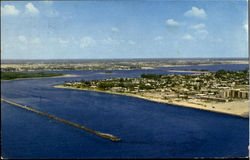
<point x="103" y="135"/>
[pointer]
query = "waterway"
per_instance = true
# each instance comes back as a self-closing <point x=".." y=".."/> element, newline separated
<point x="147" y="129"/>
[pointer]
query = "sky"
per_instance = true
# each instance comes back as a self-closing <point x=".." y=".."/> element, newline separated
<point x="124" y="29"/>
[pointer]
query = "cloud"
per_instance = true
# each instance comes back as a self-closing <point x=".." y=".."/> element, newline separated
<point x="171" y="22"/>
<point x="74" y="41"/>
<point x="9" y="10"/>
<point x="187" y="37"/>
<point x="15" y="43"/>
<point x="110" y="41"/>
<point x="202" y="34"/>
<point x="22" y="38"/>
<point x="35" y="40"/>
<point x="31" y="9"/>
<point x="114" y="29"/>
<point x="86" y="42"/>
<point x="196" y="12"/>
<point x="158" y="38"/>
<point x="245" y="26"/>
<point x="63" y="41"/>
<point x="198" y="26"/>
<point x="26" y="43"/>
<point x="131" y="42"/>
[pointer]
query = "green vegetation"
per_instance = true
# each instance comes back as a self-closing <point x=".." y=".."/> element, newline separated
<point x="239" y="76"/>
<point x="16" y="75"/>
<point x="151" y="76"/>
<point x="108" y="72"/>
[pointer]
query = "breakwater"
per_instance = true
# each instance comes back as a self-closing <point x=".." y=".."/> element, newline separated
<point x="103" y="135"/>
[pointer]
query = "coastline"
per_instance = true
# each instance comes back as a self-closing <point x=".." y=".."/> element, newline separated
<point x="227" y="62"/>
<point x="205" y="64"/>
<point x="184" y="65"/>
<point x="208" y="107"/>
<point x="65" y="75"/>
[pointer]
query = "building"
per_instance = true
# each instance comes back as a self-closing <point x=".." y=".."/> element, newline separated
<point x="234" y="93"/>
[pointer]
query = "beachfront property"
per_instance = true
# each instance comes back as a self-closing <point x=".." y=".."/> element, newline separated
<point x="236" y="93"/>
<point x="208" y="86"/>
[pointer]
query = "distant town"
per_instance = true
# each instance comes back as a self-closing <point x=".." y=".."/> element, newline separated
<point x="220" y="86"/>
<point x="108" y="64"/>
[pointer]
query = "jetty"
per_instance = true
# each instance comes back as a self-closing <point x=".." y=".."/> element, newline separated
<point x="103" y="135"/>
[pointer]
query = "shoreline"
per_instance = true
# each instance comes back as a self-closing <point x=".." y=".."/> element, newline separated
<point x="175" y="103"/>
<point x="65" y="75"/>
<point x="148" y="67"/>
<point x="227" y="62"/>
<point x="205" y="64"/>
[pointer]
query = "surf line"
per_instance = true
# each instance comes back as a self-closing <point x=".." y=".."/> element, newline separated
<point x="103" y="135"/>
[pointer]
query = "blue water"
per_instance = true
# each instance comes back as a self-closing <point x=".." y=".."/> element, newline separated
<point x="147" y="129"/>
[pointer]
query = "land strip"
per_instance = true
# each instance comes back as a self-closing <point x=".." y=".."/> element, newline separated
<point x="7" y="76"/>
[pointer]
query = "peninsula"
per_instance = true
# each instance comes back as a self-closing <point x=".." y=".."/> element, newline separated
<point x="22" y="75"/>
<point x="222" y="91"/>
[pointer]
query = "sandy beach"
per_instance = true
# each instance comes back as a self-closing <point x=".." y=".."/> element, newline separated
<point x="67" y="75"/>
<point x="235" y="108"/>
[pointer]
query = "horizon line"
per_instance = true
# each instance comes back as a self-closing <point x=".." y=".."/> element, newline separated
<point x="127" y="58"/>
